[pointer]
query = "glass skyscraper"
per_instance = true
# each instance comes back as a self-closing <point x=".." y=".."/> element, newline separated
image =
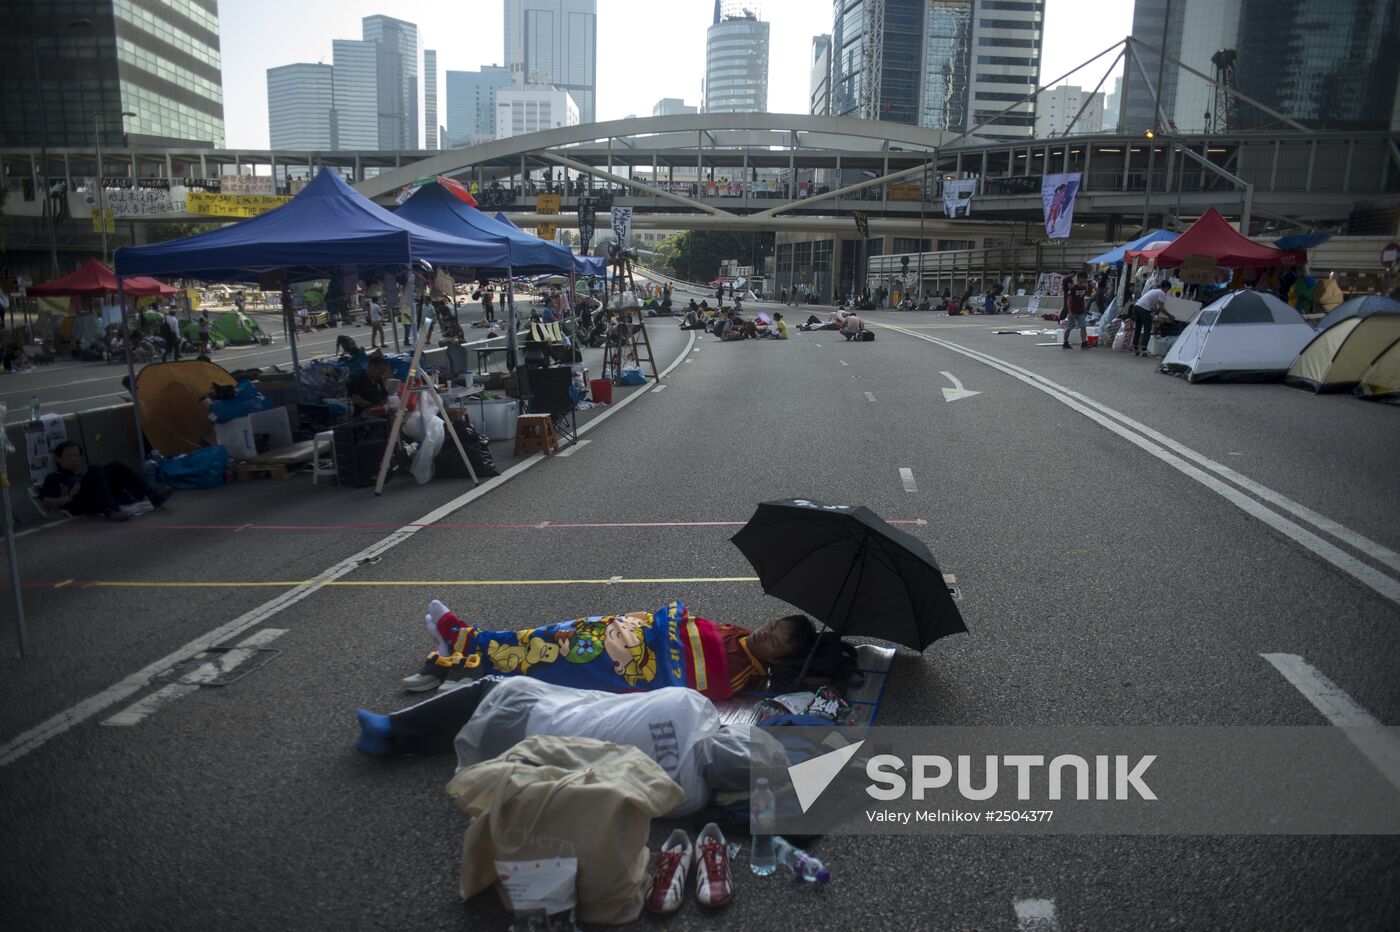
<point x="430" y="99"/>
<point x="943" y="64"/>
<point x="736" y="65"/>
<point x="300" y="99"/>
<point x="397" y="64"/>
<point x="1330" y="64"/>
<point x="471" y="104"/>
<point x="355" y="118"/>
<point x="555" y="42"/>
<point x="160" y="61"/>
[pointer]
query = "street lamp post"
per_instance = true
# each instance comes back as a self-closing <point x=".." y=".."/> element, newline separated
<point x="923" y="199"/>
<point x="44" y="143"/>
<point x="97" y="119"/>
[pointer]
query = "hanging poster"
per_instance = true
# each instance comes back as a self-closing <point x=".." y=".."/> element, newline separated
<point x="247" y="184"/>
<point x="231" y="205"/>
<point x="587" y="209"/>
<point x="1057" y="195"/>
<point x="957" y="197"/>
<point x="622" y="225"/>
<point x="548" y="205"/>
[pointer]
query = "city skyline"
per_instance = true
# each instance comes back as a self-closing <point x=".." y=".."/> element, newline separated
<point x="1074" y="30"/>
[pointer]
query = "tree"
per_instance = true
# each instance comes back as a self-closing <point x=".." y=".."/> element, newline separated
<point x="160" y="232"/>
<point x="697" y="254"/>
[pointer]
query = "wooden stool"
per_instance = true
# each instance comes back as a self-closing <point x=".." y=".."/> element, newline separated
<point x="535" y="433"/>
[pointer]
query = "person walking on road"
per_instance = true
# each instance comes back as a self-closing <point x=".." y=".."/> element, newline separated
<point x="204" y="333"/>
<point x="170" y="333"/>
<point x="375" y="317"/>
<point x="1152" y="301"/>
<point x="1076" y="297"/>
<point x="719" y="295"/>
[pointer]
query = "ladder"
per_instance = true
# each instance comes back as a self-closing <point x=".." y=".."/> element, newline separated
<point x="635" y="345"/>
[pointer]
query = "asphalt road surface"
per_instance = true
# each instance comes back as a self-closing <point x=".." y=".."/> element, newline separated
<point x="1129" y="546"/>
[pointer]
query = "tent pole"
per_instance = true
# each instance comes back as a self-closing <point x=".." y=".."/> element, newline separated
<point x="21" y="629"/>
<point x="131" y="373"/>
<point x="289" y="322"/>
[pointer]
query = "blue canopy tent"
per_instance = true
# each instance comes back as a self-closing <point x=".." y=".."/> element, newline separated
<point x="591" y="265"/>
<point x="324" y="228"/>
<point x="434" y="206"/>
<point x="1114" y="257"/>
<point x="327" y="226"/>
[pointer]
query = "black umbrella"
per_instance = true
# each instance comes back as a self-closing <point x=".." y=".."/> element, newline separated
<point x="847" y="567"/>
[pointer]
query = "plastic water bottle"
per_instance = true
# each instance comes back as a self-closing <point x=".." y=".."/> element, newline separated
<point x="763" y="814"/>
<point x="34" y="407"/>
<point x="801" y="863"/>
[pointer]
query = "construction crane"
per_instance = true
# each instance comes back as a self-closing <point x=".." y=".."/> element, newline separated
<point x="874" y="49"/>
<point x="1225" y="108"/>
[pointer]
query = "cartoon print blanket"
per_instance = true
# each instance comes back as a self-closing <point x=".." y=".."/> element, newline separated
<point x="634" y="652"/>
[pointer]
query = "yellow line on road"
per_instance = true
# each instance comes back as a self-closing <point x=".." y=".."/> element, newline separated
<point x="66" y="582"/>
<point x="371" y="583"/>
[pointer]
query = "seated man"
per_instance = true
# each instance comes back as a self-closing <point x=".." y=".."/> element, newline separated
<point x="851" y="326"/>
<point x="101" y="490"/>
<point x="723" y="326"/>
<point x="369" y="388"/>
<point x="693" y="320"/>
<point x="638" y="651"/>
<point x="779" y="330"/>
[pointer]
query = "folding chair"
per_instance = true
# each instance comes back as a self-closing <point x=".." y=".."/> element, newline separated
<point x="550" y="395"/>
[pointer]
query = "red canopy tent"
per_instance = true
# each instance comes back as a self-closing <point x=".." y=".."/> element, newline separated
<point x="94" y="280"/>
<point x="1212" y="236"/>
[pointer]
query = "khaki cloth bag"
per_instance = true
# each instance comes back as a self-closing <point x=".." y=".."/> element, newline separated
<point x="551" y="796"/>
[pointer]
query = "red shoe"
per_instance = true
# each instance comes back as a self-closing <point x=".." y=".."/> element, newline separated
<point x="714" y="884"/>
<point x="673" y="862"/>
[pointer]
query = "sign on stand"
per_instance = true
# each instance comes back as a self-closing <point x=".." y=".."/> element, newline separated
<point x="1197" y="270"/>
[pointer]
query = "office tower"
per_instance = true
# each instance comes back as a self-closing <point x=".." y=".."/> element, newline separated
<point x="471" y="105"/>
<point x="555" y="42"/>
<point x="736" y="63"/>
<point x="1331" y="65"/>
<point x="819" y="87"/>
<point x="355" y="82"/>
<point x="1006" y="44"/>
<point x="531" y="108"/>
<point x="1112" y="103"/>
<point x="300" y="99"/>
<point x="430" y="115"/>
<point x="1056" y="107"/>
<point x="397" y="64"/>
<point x="943" y="64"/>
<point x="1136" y="111"/>
<point x="125" y="60"/>
<point x="672" y="106"/>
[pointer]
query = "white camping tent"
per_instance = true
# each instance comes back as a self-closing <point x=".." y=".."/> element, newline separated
<point x="1244" y="335"/>
<point x="1349" y="339"/>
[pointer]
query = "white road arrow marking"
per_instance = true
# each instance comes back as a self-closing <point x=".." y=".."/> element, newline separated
<point x="957" y="391"/>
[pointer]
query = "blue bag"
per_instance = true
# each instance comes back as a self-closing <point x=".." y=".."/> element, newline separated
<point x="202" y="469"/>
<point x="247" y="400"/>
<point x="632" y="375"/>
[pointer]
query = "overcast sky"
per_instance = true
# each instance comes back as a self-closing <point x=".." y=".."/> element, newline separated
<point x="647" y="49"/>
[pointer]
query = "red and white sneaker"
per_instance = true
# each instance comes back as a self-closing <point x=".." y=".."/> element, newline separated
<point x="714" y="884"/>
<point x="673" y="862"/>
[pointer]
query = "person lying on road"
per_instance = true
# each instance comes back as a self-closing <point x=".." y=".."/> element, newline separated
<point x="632" y="652"/>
